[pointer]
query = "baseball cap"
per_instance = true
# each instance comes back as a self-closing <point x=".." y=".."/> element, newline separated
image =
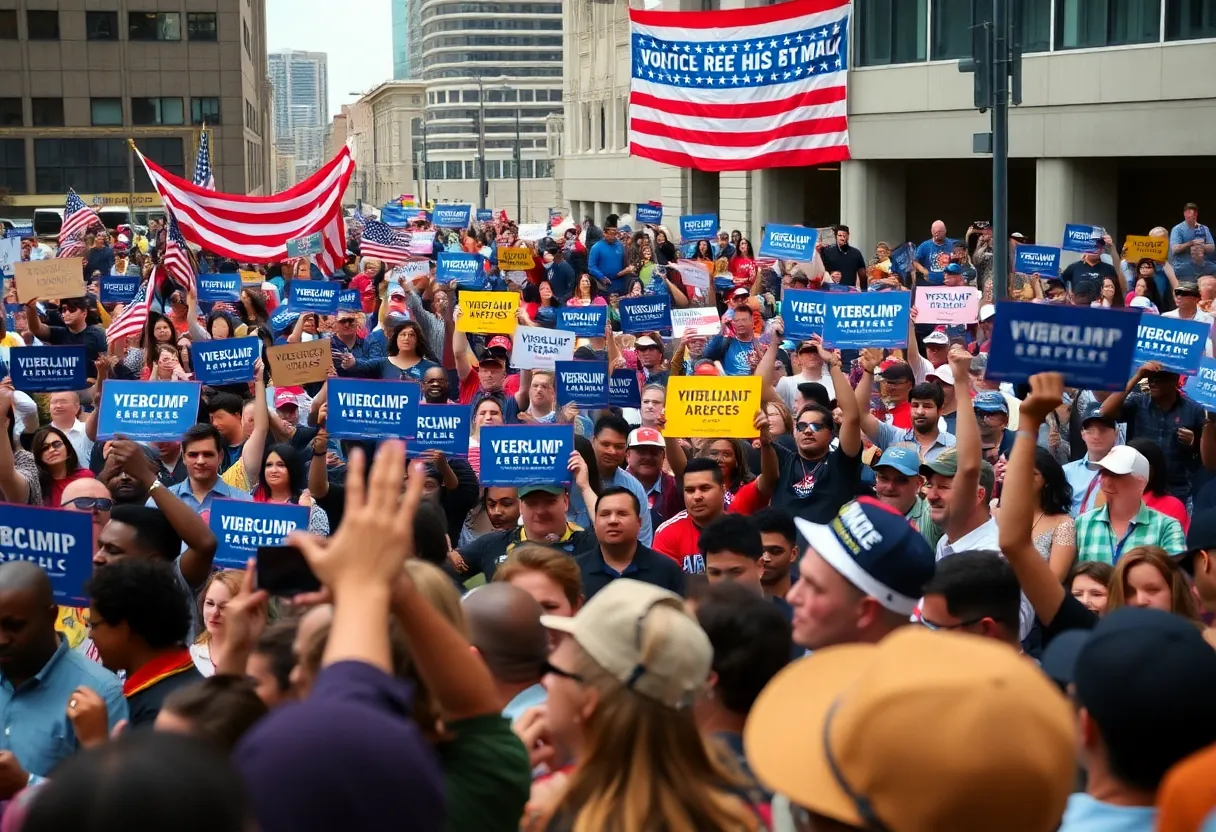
<point x="584" y="353"/>
<point x="284" y="396"/>
<point x="525" y="490"/>
<point x="1017" y="235"/>
<point x="954" y="268"/>
<point x="904" y="460"/>
<point x="987" y="311"/>
<point x="1200" y="536"/>
<point x="646" y="437"/>
<point x="979" y="364"/>
<point x="945" y="464"/>
<point x="1187" y="288"/>
<point x="876" y="550"/>
<point x="937" y="336"/>
<point x="612" y="627"/>
<point x="1124" y="459"/>
<point x="499" y="341"/>
<point x="877" y="723"/>
<point x="646" y="341"/>
<point x="943" y="373"/>
<point x="705" y="367"/>
<point x="1141" y="302"/>
<point x="1094" y="411"/>
<point x="896" y="370"/>
<point x="990" y="401"/>
<point x="740" y="292"/>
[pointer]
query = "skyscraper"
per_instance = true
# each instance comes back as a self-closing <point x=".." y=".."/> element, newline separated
<point x="301" y="104"/>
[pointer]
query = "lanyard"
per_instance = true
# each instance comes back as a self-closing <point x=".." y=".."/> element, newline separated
<point x="1117" y="551"/>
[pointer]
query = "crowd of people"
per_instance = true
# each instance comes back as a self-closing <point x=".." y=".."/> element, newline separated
<point x="914" y="598"/>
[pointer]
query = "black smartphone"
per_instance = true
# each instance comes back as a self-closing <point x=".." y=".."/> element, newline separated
<point x="283" y="571"/>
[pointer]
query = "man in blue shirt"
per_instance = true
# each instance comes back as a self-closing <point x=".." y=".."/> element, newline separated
<point x="611" y="443"/>
<point x="932" y="256"/>
<point x="738" y="354"/>
<point x="606" y="262"/>
<point x="202" y="484"/>
<point x="1185" y="233"/>
<point x="39" y="679"/>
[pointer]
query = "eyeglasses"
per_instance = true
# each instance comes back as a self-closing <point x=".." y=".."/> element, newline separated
<point x="347" y="321"/>
<point x="92" y="503"/>
<point x="814" y="427"/>
<point x="547" y="668"/>
<point x="942" y="628"/>
<point x="53" y="445"/>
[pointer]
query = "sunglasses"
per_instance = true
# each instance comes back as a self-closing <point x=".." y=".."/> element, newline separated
<point x="943" y="628"/>
<point x="92" y="503"/>
<point x="547" y="669"/>
<point x="814" y="427"/>
<point x="347" y="321"/>
<point x="53" y="445"/>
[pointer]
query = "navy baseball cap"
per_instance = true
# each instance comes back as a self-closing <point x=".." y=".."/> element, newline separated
<point x="1094" y="412"/>
<point x="876" y="550"/>
<point x="990" y="401"/>
<point x="1200" y="537"/>
<point x="904" y="460"/>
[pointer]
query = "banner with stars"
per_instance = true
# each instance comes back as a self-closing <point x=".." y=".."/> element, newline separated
<point x="742" y="89"/>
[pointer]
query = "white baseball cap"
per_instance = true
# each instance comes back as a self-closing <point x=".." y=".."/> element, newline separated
<point x="943" y="373"/>
<point x="987" y="311"/>
<point x="937" y="336"/>
<point x="1124" y="459"/>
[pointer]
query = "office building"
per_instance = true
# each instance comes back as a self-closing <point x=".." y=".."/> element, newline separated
<point x="301" y="105"/>
<point x="386" y="125"/>
<point x="1115" y="128"/>
<point x="80" y="82"/>
<point x="407" y="39"/>
<point x="503" y="59"/>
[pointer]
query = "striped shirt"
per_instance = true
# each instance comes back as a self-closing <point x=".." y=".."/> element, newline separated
<point x="1096" y="539"/>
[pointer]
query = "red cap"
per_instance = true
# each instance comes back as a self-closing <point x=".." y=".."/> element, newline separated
<point x="705" y="368"/>
<point x="287" y="396"/>
<point x="499" y="341"/>
<point x="646" y="436"/>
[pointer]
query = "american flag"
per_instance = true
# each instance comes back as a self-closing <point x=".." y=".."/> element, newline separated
<point x="255" y="229"/>
<point x="742" y="89"/>
<point x="77" y="219"/>
<point x="176" y="261"/>
<point x="202" y="165"/>
<point x="133" y="317"/>
<point x="384" y="243"/>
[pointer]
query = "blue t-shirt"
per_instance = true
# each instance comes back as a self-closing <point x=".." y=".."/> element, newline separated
<point x="934" y="257"/>
<point x="732" y="353"/>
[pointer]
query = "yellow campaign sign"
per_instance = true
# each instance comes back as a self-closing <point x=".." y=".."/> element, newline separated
<point x="1154" y="248"/>
<point x="488" y="312"/>
<point x="515" y="259"/>
<point x="712" y="406"/>
<point x="250" y="277"/>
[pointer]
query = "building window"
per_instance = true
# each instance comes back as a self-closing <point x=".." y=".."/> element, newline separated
<point x="105" y="112"/>
<point x="891" y="31"/>
<point x="205" y="110"/>
<point x="88" y="165"/>
<point x="145" y="111"/>
<point x="1083" y="24"/>
<point x="154" y="26"/>
<point x="952" y="28"/>
<point x="166" y="152"/>
<point x="8" y="24"/>
<point x="470" y="170"/>
<point x="1190" y="19"/>
<point x="245" y="38"/>
<point x="101" y="25"/>
<point x="527" y="95"/>
<point x="441" y="97"/>
<point x="467" y="95"/>
<point x="42" y="25"/>
<point x="201" y="26"/>
<point x="47" y="112"/>
<point x="10" y="113"/>
<point x="544" y="169"/>
<point x="12" y="165"/>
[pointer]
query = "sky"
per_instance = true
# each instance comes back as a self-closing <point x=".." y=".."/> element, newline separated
<point x="359" y="45"/>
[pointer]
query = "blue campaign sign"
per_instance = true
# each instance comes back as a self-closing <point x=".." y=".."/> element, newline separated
<point x="698" y="227"/>
<point x="24" y="231"/>
<point x="452" y="216"/>
<point x="1176" y="344"/>
<point x="648" y="313"/>
<point x="788" y="242"/>
<point x="485" y="214"/>
<point x="242" y="526"/>
<point x="858" y="320"/>
<point x="226" y="360"/>
<point x="147" y="409"/>
<point x="1202" y="388"/>
<point x="623" y="390"/>
<point x="221" y="287"/>
<point x="59" y="541"/>
<point x="320" y="296"/>
<point x="443" y="427"/>
<point x="47" y="369"/>
<point x="393" y="214"/>
<point x="583" y="382"/>
<point x="649" y="213"/>
<point x="1091" y="346"/>
<point x="282" y="318"/>
<point x="1041" y="260"/>
<point x="10" y="309"/>
<point x="803" y="312"/>
<point x="349" y="301"/>
<point x="584" y="321"/>
<point x="1080" y="237"/>
<point x="901" y="258"/>
<point x="372" y="409"/>
<point x="117" y="288"/>
<point x="526" y="454"/>
<point x="457" y="266"/>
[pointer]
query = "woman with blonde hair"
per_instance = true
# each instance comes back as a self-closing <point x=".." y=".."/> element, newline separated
<point x="221" y="587"/>
<point x="1148" y="577"/>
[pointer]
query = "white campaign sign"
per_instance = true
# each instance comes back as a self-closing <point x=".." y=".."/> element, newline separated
<point x="536" y="348"/>
<point x="413" y="269"/>
<point x="422" y="242"/>
<point x="10" y="253"/>
<point x="533" y="231"/>
<point x="693" y="273"/>
<point x="695" y="321"/>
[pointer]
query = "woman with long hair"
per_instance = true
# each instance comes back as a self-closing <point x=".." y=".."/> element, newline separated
<point x="409" y="355"/>
<point x="220" y="325"/>
<point x="1110" y="297"/>
<point x="183" y="354"/>
<point x="252" y="308"/>
<point x="283" y="479"/>
<point x="780" y="419"/>
<point x="542" y="304"/>
<point x="167" y="366"/>
<point x="1157" y="491"/>
<point x="57" y="464"/>
<point x="731" y="456"/>
<point x="664" y="249"/>
<point x="1148" y="577"/>
<point x="1055" y="536"/>
<point x="1089" y="582"/>
<point x="221" y="587"/>
<point x="704" y="252"/>
<point x="743" y="264"/>
<point x="1145" y="284"/>
<point x="157" y="330"/>
<point x="586" y="293"/>
<point x="486" y="412"/>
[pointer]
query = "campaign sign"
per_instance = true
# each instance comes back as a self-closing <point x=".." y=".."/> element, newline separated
<point x="1091" y="346"/>
<point x="583" y="321"/>
<point x="947" y="305"/>
<point x="1177" y="344"/>
<point x="226" y="360"/>
<point x="318" y="296"/>
<point x="349" y="301"/>
<point x="859" y="320"/>
<point x="282" y="318"/>
<point x="457" y="266"/>
<point x="59" y="541"/>
<point x="452" y="216"/>
<point x="526" y="454"/>
<point x="395" y="215"/>
<point x="117" y="288"/>
<point x="650" y="213"/>
<point x="648" y="313"/>
<point x="804" y="312"/>
<point x="10" y="253"/>
<point x="585" y="383"/>
<point x="24" y="231"/>
<point x="485" y="214"/>
<point x="698" y="226"/>
<point x="241" y="527"/>
<point x="372" y="409"/>
<point x="47" y="369"/>
<point x="443" y="427"/>
<point x="1202" y="388"/>
<point x="695" y="321"/>
<point x="222" y="288"/>
<point x="1080" y="237"/>
<point x="145" y="410"/>
<point x="902" y="257"/>
<point x="537" y="348"/>
<point x="788" y="242"/>
<point x="304" y="246"/>
<point x="411" y="270"/>
<point x="422" y="243"/>
<point x="623" y="390"/>
<point x="1041" y="260"/>
<point x="694" y="273"/>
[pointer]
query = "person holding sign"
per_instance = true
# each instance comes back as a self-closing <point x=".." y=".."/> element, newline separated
<point x="409" y="356"/>
<point x="736" y="346"/>
<point x="486" y="377"/>
<point x="73" y="314"/>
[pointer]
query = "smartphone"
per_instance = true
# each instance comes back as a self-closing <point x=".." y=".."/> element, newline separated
<point x="283" y="571"/>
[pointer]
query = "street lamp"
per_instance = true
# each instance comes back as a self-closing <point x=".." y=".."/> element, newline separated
<point x="481" y="136"/>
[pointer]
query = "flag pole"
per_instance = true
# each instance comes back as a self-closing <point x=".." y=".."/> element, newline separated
<point x="131" y="185"/>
